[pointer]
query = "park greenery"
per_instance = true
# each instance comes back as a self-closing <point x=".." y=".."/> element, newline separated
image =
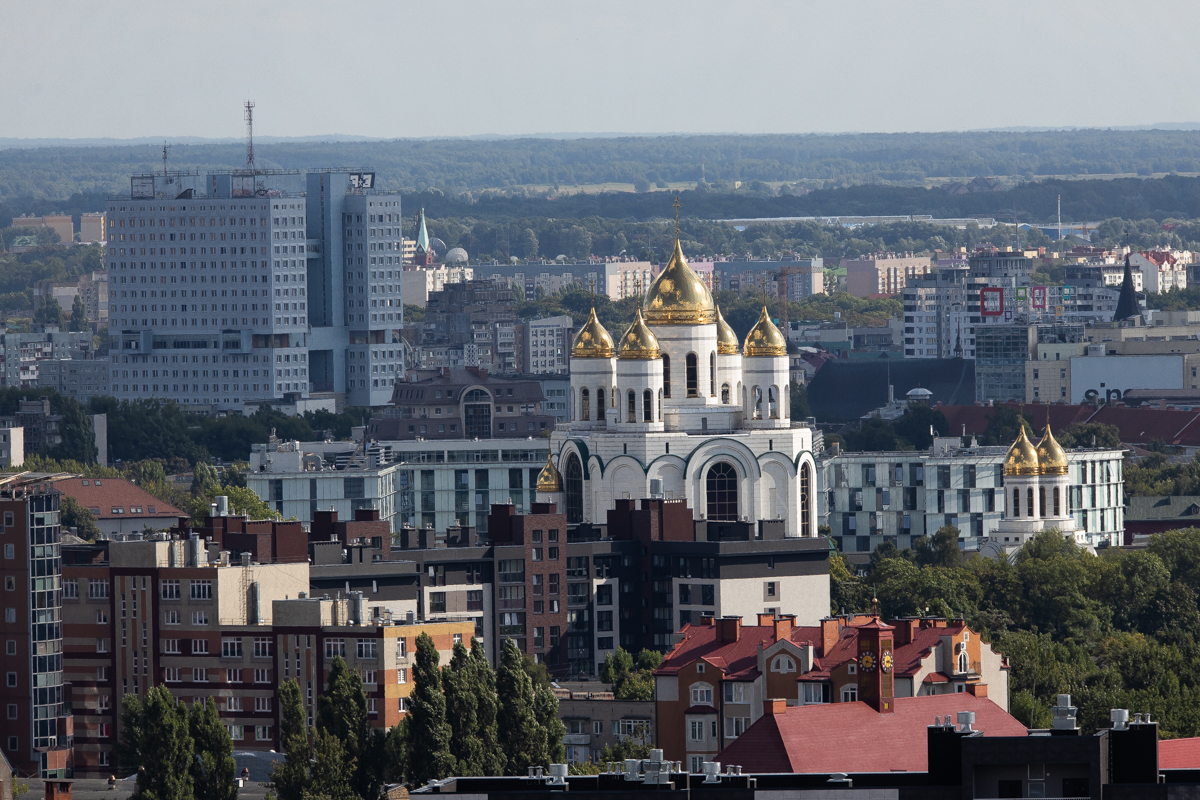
<point x="1120" y="629"/>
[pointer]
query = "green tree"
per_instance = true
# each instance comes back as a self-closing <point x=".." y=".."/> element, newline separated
<point x="79" y="320"/>
<point x="799" y="400"/>
<point x="204" y="480"/>
<point x="545" y="707"/>
<point x="129" y="743"/>
<point x="165" y="749"/>
<point x="342" y="714"/>
<point x="520" y="734"/>
<point x="333" y="767"/>
<point x="940" y="550"/>
<point x="462" y="712"/>
<point x="1082" y="434"/>
<point x="214" y="772"/>
<point x="50" y="313"/>
<point x="77" y="517"/>
<point x="492" y="757"/>
<point x="429" y="732"/>
<point x="529" y="244"/>
<point x="290" y="776"/>
<point x="78" y="437"/>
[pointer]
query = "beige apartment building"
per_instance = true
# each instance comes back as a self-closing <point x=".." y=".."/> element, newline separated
<point x="884" y="273"/>
<point x="60" y="223"/>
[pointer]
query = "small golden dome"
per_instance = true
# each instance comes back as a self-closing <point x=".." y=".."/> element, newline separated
<point x="592" y="341"/>
<point x="549" y="479"/>
<point x="1022" y="458"/>
<point x="765" y="338"/>
<point x="678" y="296"/>
<point x="639" y="341"/>
<point x="1052" y="460"/>
<point x="727" y="343"/>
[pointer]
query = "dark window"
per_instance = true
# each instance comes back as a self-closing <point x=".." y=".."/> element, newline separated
<point x="707" y="594"/>
<point x="647" y="406"/>
<point x="666" y="359"/>
<point x="599" y="405"/>
<point x="437" y="602"/>
<point x="604" y="620"/>
<point x="1076" y="787"/>
<point x="685" y="594"/>
<point x="805" y="492"/>
<point x="722" y="492"/>
<point x="604" y="594"/>
<point x="585" y="405"/>
<point x="477" y="414"/>
<point x="574" y="487"/>
<point x="632" y="406"/>
<point x="692" y="376"/>
<point x="1009" y="788"/>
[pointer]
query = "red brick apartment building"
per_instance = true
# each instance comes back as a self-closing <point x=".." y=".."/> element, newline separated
<point x="210" y="623"/>
<point x="714" y="684"/>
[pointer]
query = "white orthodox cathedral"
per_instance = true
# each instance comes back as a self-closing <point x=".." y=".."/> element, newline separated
<point x="677" y="400"/>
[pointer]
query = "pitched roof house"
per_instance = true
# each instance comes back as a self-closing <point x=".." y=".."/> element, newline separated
<point x="712" y="686"/>
<point x="120" y="506"/>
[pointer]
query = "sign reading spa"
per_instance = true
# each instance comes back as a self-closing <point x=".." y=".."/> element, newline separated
<point x="1107" y="378"/>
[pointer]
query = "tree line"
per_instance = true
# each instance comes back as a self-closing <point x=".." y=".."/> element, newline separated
<point x="1120" y="629"/>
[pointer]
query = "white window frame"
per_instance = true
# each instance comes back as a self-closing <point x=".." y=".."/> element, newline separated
<point x="850" y="693"/>
<point x="701" y="694"/>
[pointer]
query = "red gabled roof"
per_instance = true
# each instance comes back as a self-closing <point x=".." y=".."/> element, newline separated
<point x="1179" y="753"/>
<point x="853" y="737"/>
<point x="102" y="495"/>
<point x="734" y="659"/>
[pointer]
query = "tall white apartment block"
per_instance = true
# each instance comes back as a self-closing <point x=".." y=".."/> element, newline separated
<point x="221" y="289"/>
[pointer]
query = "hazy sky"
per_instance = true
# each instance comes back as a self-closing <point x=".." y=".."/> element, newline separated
<point x="395" y="69"/>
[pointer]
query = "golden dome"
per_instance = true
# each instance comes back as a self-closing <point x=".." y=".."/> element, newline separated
<point x="639" y="341"/>
<point x="1052" y="460"/>
<point x="1022" y="458"/>
<point x="678" y="296"/>
<point x="765" y="338"/>
<point x="549" y="479"/>
<point x="592" y="341"/>
<point x="727" y="343"/>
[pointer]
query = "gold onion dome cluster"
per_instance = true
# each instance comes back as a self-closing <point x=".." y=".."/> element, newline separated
<point x="592" y="341"/>
<point x="1022" y="458"/>
<point x="727" y="342"/>
<point x="639" y="342"/>
<point x="1052" y="460"/>
<point x="678" y="296"/>
<point x="765" y="339"/>
<point x="549" y="479"/>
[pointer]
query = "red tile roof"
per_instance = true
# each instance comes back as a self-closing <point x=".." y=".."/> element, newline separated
<point x="853" y="737"/>
<point x="1179" y="754"/>
<point x="102" y="495"/>
<point x="734" y="659"/>
<point x="1135" y="425"/>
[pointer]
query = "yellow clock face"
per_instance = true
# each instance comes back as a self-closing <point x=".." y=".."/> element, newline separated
<point x="868" y="662"/>
<point x="887" y="662"/>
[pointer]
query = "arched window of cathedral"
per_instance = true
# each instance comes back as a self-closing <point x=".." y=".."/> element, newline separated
<point x="773" y="401"/>
<point x="758" y="402"/>
<point x="585" y="407"/>
<point x="722" y="491"/>
<point x="712" y="373"/>
<point x="660" y="397"/>
<point x="805" y="503"/>
<point x="724" y="394"/>
<point x="632" y="406"/>
<point x="647" y="406"/>
<point x="787" y="402"/>
<point x="1057" y="507"/>
<point x="666" y="359"/>
<point x="599" y="404"/>
<point x="1042" y="501"/>
<point x="1016" y="509"/>
<point x="693" y="381"/>
<point x="1029" y="509"/>
<point x="574" y="487"/>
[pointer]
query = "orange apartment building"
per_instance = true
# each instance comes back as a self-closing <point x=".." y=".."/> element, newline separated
<point x="182" y="613"/>
<point x="714" y="684"/>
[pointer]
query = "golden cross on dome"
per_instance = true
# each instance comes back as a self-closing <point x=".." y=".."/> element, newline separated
<point x="676" y="216"/>
<point x="592" y="288"/>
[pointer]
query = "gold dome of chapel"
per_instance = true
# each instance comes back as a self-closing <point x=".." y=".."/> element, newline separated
<point x="592" y="341"/>
<point x="549" y="479"/>
<point x="765" y="339"/>
<point x="639" y="342"/>
<point x="1052" y="459"/>
<point x="678" y="296"/>
<point x="1022" y="458"/>
<point x="727" y="341"/>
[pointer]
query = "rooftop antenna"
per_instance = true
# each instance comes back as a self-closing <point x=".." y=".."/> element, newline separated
<point x="166" y="149"/>
<point x="1060" y="218"/>
<point x="250" y="134"/>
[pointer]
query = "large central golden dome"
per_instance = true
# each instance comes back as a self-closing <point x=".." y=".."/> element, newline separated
<point x="765" y="339"/>
<point x="1052" y="460"/>
<point x="678" y="296"/>
<point x="727" y="341"/>
<point x="1022" y="458"/>
<point x="592" y="341"/>
<point x="639" y="342"/>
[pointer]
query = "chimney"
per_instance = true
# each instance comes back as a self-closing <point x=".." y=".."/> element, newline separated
<point x="774" y="706"/>
<point x="766" y="620"/>
<point x="831" y="631"/>
<point x="58" y="790"/>
<point x="729" y="629"/>
<point x="783" y="627"/>
<point x="806" y="657"/>
<point x="977" y="689"/>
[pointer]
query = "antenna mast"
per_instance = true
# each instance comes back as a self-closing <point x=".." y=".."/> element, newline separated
<point x="166" y="149"/>
<point x="1060" y="218"/>
<point x="250" y="135"/>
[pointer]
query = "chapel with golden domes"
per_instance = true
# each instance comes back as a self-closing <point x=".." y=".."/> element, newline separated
<point x="676" y="406"/>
